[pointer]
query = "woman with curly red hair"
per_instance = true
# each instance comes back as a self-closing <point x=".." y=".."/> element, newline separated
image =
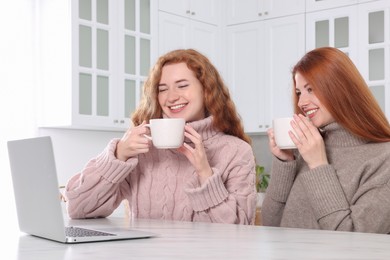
<point x="339" y="177"/>
<point x="210" y="178"/>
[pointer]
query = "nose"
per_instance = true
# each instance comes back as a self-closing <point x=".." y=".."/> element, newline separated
<point x="303" y="100"/>
<point x="173" y="95"/>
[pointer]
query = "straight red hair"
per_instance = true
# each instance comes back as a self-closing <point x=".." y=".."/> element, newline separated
<point x="339" y="86"/>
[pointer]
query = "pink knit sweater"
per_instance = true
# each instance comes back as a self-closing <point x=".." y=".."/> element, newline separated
<point x="162" y="184"/>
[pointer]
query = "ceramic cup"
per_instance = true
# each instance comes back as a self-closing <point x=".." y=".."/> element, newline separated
<point x="281" y="126"/>
<point x="166" y="133"/>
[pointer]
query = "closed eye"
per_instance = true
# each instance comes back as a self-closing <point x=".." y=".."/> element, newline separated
<point x="162" y="88"/>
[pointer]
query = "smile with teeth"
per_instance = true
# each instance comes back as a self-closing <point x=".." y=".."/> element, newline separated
<point x="177" y="106"/>
<point x="311" y="111"/>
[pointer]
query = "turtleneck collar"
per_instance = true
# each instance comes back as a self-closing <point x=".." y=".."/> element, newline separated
<point x="335" y="135"/>
<point x="204" y="128"/>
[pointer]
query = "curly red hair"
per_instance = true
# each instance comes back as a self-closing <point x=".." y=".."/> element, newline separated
<point x="217" y="100"/>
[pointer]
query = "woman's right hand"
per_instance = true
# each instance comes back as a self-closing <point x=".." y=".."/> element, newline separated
<point x="284" y="155"/>
<point x="133" y="142"/>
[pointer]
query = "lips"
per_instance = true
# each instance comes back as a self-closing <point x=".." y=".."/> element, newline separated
<point x="177" y="108"/>
<point x="311" y="112"/>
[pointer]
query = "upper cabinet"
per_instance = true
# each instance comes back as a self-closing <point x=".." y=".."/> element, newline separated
<point x="374" y="49"/>
<point x="315" y="5"/>
<point x="362" y="31"/>
<point x="177" y="31"/>
<point x="104" y="47"/>
<point x="259" y="68"/>
<point x="208" y="11"/>
<point x="335" y="27"/>
<point x="242" y="11"/>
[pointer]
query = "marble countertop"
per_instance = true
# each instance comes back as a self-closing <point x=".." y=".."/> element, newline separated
<point x="188" y="240"/>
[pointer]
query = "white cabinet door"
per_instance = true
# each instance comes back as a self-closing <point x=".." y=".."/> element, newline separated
<point x="102" y="54"/>
<point x="259" y="68"/>
<point x="176" y="32"/>
<point x="374" y="50"/>
<point x="285" y="46"/>
<point x="201" y="10"/>
<point x="173" y="32"/>
<point x="239" y="11"/>
<point x="336" y="28"/>
<point x="179" y="7"/>
<point x="316" y="5"/>
<point x="246" y="73"/>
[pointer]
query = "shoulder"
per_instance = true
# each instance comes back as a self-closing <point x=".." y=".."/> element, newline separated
<point x="375" y="150"/>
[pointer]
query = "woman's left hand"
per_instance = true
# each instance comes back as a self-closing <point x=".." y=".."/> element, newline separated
<point x="309" y="142"/>
<point x="197" y="155"/>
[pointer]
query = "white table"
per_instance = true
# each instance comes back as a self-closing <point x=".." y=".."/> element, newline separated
<point x="187" y="240"/>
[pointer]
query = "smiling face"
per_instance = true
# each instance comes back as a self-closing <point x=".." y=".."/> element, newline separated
<point x="310" y="104"/>
<point x="180" y="93"/>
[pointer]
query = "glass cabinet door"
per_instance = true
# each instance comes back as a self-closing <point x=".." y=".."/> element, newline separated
<point x="375" y="50"/>
<point x="94" y="40"/>
<point x="135" y="43"/>
<point x="336" y="28"/>
<point x="113" y="47"/>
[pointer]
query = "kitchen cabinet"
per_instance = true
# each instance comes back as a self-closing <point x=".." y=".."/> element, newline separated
<point x="316" y="5"/>
<point x="179" y="32"/>
<point x="336" y="28"/>
<point x="374" y="49"/>
<point x="242" y="11"/>
<point x="94" y="56"/>
<point x="260" y="57"/>
<point x="362" y="31"/>
<point x="208" y="11"/>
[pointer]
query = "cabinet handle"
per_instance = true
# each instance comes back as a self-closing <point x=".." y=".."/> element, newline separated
<point x="260" y="14"/>
<point x="266" y="126"/>
<point x="193" y="13"/>
<point x="266" y="13"/>
<point x="122" y="121"/>
<point x="115" y="121"/>
<point x="260" y="126"/>
<point x="188" y="12"/>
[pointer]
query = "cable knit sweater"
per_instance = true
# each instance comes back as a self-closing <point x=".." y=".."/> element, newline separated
<point x="352" y="193"/>
<point x="163" y="184"/>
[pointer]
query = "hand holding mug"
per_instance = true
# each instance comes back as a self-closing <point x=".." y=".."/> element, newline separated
<point x="282" y="154"/>
<point x="133" y="143"/>
<point x="309" y="142"/>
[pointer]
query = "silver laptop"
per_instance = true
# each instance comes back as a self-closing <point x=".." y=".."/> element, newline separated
<point x="37" y="196"/>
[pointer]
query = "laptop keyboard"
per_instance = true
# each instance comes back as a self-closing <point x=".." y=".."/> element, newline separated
<point x="82" y="232"/>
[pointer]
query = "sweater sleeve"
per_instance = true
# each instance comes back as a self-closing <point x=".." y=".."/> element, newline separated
<point x="100" y="187"/>
<point x="230" y="199"/>
<point x="282" y="179"/>
<point x="367" y="211"/>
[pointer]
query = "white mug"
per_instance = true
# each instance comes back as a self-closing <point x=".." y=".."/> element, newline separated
<point x="281" y="127"/>
<point x="166" y="133"/>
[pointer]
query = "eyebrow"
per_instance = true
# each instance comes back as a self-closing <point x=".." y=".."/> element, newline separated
<point x="177" y="81"/>
<point x="304" y="86"/>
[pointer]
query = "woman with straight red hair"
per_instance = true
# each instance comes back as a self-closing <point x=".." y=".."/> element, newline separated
<point x="210" y="178"/>
<point x="338" y="178"/>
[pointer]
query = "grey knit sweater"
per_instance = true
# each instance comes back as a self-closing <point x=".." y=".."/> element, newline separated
<point x="351" y="193"/>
